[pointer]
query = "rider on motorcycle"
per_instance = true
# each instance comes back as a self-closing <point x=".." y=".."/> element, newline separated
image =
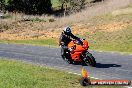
<point x="65" y="38"/>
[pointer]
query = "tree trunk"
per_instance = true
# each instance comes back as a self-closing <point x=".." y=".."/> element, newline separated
<point x="62" y="6"/>
<point x="65" y="10"/>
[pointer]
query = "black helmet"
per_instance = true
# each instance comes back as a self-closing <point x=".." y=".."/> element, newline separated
<point x="67" y="30"/>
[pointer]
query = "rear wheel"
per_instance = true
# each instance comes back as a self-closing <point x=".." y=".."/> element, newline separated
<point x="90" y="60"/>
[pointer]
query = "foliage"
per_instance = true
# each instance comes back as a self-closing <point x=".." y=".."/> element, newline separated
<point x="74" y="5"/>
<point x="77" y="5"/>
<point x="30" y="6"/>
<point x="2" y="5"/>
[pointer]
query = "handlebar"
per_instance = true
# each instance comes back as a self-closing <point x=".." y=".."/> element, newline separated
<point x="78" y="41"/>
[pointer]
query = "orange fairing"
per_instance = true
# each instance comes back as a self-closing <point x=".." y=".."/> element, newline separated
<point x="79" y="47"/>
<point x="85" y="44"/>
<point x="76" y="55"/>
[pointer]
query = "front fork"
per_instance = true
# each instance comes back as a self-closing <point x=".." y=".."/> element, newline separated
<point x="85" y="54"/>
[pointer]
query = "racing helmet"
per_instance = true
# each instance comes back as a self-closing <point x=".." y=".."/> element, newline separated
<point x="67" y="30"/>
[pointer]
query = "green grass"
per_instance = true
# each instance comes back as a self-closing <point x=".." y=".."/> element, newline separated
<point x="111" y="41"/>
<point x="37" y="19"/>
<point x="50" y="42"/>
<point x="114" y="41"/>
<point x="55" y="3"/>
<point x="16" y="74"/>
<point x="107" y="18"/>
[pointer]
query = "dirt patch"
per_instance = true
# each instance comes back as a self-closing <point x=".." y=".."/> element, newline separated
<point x="112" y="27"/>
<point x="26" y="31"/>
<point x="28" y="35"/>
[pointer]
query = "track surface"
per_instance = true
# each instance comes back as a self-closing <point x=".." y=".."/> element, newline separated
<point x="109" y="65"/>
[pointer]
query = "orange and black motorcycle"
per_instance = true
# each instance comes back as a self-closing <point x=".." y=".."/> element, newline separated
<point x="79" y="53"/>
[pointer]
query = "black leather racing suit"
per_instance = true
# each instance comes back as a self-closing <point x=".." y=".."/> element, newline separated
<point x="63" y="42"/>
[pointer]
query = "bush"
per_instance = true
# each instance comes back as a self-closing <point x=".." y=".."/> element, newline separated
<point x="51" y="20"/>
<point x="29" y="6"/>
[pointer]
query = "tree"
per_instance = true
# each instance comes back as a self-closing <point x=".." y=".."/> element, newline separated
<point x="77" y="5"/>
<point x="64" y="5"/>
<point x="63" y="2"/>
<point x="30" y="6"/>
<point x="74" y="5"/>
<point x="2" y="6"/>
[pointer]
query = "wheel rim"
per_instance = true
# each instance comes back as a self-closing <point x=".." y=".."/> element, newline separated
<point x="89" y="61"/>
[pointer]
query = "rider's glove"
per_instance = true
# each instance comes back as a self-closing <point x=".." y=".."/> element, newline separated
<point x="80" y="41"/>
<point x="70" y="49"/>
<point x="65" y="47"/>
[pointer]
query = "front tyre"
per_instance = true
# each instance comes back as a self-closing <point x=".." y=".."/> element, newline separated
<point x="66" y="56"/>
<point x="90" y="60"/>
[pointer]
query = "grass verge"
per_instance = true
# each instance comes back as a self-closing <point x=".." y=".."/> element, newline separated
<point x="120" y="41"/>
<point x="48" y="42"/>
<point x="15" y="74"/>
<point x="115" y="41"/>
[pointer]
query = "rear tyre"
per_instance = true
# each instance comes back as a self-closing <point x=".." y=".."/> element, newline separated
<point x="90" y="60"/>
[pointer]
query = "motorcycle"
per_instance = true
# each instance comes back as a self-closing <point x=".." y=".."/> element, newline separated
<point x="79" y="53"/>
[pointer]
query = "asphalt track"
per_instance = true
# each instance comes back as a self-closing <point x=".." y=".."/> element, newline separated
<point x="109" y="65"/>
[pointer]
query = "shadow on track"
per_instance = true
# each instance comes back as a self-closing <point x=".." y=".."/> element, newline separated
<point x="99" y="65"/>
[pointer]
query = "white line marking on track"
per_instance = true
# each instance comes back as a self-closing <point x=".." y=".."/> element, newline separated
<point x="128" y="86"/>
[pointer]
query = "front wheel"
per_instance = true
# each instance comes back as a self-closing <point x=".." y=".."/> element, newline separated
<point x="66" y="56"/>
<point x="90" y="60"/>
<point x="68" y="60"/>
